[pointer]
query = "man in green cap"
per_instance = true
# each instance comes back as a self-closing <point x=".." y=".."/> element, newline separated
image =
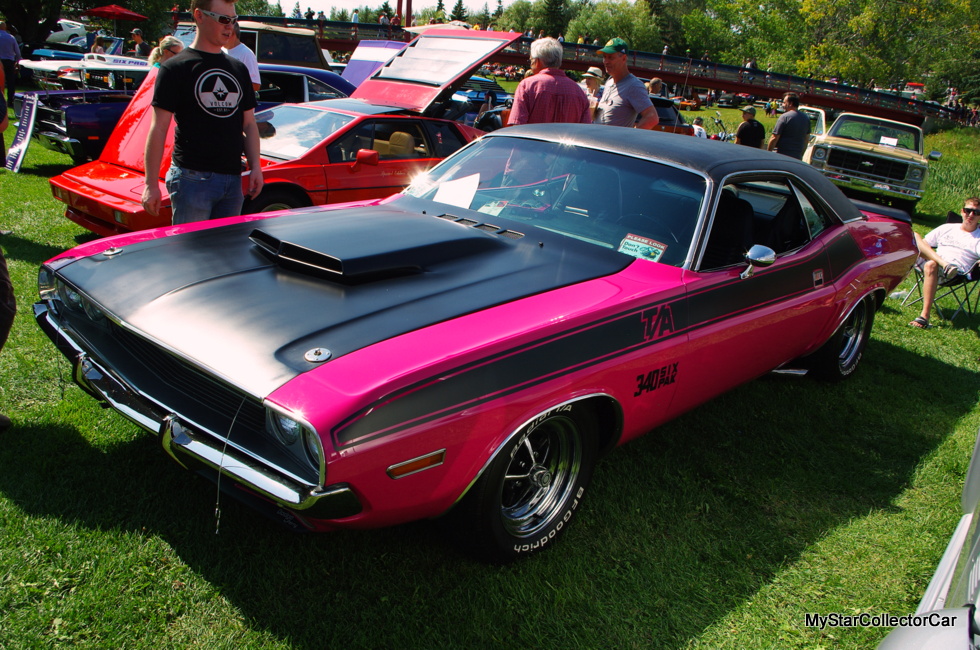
<point x="624" y="97"/>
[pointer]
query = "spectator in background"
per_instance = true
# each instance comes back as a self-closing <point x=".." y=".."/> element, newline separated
<point x="4" y="120"/>
<point x="142" y="48"/>
<point x="656" y="87"/>
<point x="8" y="305"/>
<point x="750" y="132"/>
<point x="592" y="85"/>
<point x="169" y="46"/>
<point x="792" y="131"/>
<point x="98" y="46"/>
<point x="698" y="125"/>
<point x="9" y="56"/>
<point x="236" y="49"/>
<point x="624" y="97"/>
<point x="548" y="95"/>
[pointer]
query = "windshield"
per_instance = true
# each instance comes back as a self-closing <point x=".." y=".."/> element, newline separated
<point x="287" y="132"/>
<point x="637" y="207"/>
<point x="872" y="131"/>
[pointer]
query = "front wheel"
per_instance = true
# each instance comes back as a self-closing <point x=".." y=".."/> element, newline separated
<point x="272" y="198"/>
<point x="838" y="358"/>
<point x="528" y="494"/>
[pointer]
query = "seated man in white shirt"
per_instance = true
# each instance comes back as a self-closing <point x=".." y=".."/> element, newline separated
<point x="945" y="252"/>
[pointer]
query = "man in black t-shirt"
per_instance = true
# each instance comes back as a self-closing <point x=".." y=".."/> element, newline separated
<point x="210" y="97"/>
<point x="750" y="132"/>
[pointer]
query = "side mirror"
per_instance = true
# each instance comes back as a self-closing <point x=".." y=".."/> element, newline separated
<point x="935" y="155"/>
<point x="365" y="157"/>
<point x="761" y="256"/>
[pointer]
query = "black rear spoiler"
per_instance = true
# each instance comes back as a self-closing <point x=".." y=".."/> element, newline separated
<point x="884" y="210"/>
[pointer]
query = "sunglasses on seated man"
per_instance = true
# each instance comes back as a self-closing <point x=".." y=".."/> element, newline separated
<point x="973" y="211"/>
<point x="221" y="18"/>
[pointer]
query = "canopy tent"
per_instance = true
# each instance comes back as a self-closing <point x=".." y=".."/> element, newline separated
<point x="114" y="13"/>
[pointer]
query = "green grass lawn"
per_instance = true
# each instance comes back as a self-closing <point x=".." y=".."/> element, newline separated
<point x="719" y="530"/>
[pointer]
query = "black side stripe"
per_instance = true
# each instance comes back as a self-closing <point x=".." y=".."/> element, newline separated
<point x="545" y="359"/>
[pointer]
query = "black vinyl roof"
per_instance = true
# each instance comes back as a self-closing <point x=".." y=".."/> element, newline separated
<point x="715" y="159"/>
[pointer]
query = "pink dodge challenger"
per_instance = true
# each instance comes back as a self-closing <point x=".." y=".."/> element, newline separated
<point x="471" y="346"/>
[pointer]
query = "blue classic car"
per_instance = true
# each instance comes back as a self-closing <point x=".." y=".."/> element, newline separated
<point x="78" y="122"/>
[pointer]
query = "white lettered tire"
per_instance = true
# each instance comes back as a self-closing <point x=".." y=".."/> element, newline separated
<point x="532" y="488"/>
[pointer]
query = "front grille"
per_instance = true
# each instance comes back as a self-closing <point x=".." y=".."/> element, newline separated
<point x="865" y="165"/>
<point x="178" y="386"/>
<point x="198" y="394"/>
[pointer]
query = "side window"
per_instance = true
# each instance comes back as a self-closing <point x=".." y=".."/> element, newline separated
<point x="318" y="90"/>
<point x="445" y="139"/>
<point x="816" y="219"/>
<point x="733" y="230"/>
<point x="778" y="215"/>
<point x="345" y="148"/>
<point x="248" y="38"/>
<point x="399" y="140"/>
<point x="271" y="87"/>
<point x="770" y="212"/>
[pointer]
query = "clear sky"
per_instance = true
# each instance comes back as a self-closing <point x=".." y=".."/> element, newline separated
<point x="473" y="6"/>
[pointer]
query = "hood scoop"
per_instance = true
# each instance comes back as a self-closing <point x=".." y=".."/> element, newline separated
<point x="357" y="247"/>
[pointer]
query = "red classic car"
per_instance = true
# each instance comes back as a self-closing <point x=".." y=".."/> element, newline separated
<point x="470" y="347"/>
<point x="368" y="146"/>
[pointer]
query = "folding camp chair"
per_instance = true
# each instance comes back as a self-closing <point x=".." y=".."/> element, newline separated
<point x="963" y="289"/>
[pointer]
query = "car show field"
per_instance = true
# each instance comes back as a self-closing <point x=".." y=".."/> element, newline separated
<point x="722" y="528"/>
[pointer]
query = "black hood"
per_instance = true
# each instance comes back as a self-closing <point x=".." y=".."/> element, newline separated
<point x="249" y="300"/>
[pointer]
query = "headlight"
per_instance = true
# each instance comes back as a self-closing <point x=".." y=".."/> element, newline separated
<point x="47" y="283"/>
<point x="819" y="153"/>
<point x="71" y="298"/>
<point x="916" y="173"/>
<point x="286" y="429"/>
<point x="311" y="442"/>
<point x="297" y="435"/>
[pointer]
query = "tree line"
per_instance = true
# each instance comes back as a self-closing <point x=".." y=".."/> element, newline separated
<point x="861" y="42"/>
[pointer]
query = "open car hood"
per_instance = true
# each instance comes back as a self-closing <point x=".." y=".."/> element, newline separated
<point x="368" y="57"/>
<point x="431" y="68"/>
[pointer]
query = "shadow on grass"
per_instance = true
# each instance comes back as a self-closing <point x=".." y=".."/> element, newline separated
<point x="45" y="170"/>
<point x="28" y="250"/>
<point x="680" y="527"/>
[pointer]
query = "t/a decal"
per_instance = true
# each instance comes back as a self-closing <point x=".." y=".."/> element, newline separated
<point x="657" y="322"/>
<point x="655" y="379"/>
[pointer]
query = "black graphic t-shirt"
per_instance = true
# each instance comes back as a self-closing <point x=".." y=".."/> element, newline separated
<point x="208" y="95"/>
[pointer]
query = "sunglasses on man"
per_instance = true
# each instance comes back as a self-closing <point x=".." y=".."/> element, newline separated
<point x="971" y="211"/>
<point x="220" y="18"/>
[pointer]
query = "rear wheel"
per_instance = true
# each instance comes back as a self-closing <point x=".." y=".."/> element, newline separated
<point x="528" y="494"/>
<point x="839" y="357"/>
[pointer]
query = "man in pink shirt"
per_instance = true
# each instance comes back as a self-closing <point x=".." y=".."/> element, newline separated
<point x="548" y="95"/>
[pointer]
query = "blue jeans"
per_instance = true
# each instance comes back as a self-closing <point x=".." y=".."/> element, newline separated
<point x="199" y="196"/>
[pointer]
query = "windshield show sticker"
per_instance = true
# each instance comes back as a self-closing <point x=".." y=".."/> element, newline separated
<point x="641" y="247"/>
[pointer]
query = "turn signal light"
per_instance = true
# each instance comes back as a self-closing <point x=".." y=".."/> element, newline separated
<point x="416" y="465"/>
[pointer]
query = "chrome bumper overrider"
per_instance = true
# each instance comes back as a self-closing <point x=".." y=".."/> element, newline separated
<point x="190" y="446"/>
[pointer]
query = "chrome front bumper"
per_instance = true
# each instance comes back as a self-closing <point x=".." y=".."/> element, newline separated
<point x="61" y="143"/>
<point x="194" y="448"/>
<point x="842" y="178"/>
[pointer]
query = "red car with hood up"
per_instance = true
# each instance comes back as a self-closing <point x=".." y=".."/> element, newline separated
<point x="368" y="146"/>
